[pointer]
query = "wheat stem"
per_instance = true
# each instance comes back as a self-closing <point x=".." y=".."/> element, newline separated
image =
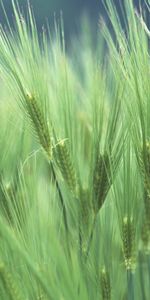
<point x="130" y="284"/>
<point x="148" y="265"/>
<point x="63" y="207"/>
<point x="90" y="238"/>
<point x="60" y="196"/>
<point x="141" y="273"/>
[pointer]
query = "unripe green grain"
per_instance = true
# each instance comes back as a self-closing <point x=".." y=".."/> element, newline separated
<point x="128" y="240"/>
<point x="101" y="181"/>
<point x="105" y="284"/>
<point x="40" y="125"/>
<point x="145" y="169"/>
<point x="9" y="284"/>
<point x="65" y="164"/>
<point x="147" y="206"/>
<point x="145" y="235"/>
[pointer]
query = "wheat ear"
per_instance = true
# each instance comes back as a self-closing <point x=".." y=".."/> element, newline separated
<point x="9" y="284"/>
<point x="64" y="161"/>
<point x="101" y="181"/>
<point x="40" y="125"/>
<point x="105" y="284"/>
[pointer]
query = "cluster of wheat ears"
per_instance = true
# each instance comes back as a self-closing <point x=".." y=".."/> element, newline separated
<point x="75" y="159"/>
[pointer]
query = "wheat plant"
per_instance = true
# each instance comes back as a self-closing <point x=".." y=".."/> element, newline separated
<point x="75" y="158"/>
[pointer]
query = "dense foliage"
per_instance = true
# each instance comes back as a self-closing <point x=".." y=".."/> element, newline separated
<point x="75" y="161"/>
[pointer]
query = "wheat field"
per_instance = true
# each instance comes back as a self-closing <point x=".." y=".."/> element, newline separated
<point x="75" y="159"/>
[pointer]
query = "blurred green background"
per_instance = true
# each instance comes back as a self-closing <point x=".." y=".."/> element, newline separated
<point x="72" y="11"/>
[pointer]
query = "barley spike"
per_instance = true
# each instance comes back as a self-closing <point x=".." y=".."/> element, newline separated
<point x="9" y="283"/>
<point x="101" y="181"/>
<point x="128" y="239"/>
<point x="65" y="164"/>
<point x="105" y="284"/>
<point x="40" y="124"/>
